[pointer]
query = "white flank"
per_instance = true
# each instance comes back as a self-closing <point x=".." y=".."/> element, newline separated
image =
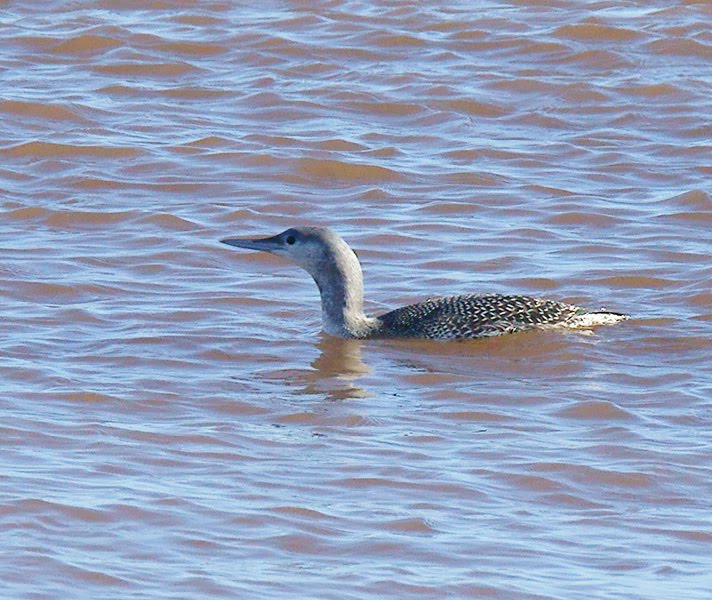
<point x="594" y="319"/>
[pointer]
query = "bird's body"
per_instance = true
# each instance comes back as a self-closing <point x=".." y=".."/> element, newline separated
<point x="337" y="272"/>
<point x="485" y="315"/>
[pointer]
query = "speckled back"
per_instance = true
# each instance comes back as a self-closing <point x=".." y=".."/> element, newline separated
<point x="473" y="316"/>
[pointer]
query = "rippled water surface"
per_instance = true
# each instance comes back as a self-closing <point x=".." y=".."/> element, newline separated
<point x="174" y="425"/>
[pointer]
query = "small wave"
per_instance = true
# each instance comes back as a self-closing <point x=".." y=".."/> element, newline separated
<point x="197" y="19"/>
<point x="593" y="410"/>
<point x="652" y="90"/>
<point x="635" y="282"/>
<point x="171" y="222"/>
<point x="395" y="41"/>
<point x="210" y="142"/>
<point x="192" y="48"/>
<point x="474" y="108"/>
<point x="694" y="207"/>
<point x="86" y="45"/>
<point x="582" y="218"/>
<point x="697" y="199"/>
<point x="394" y="109"/>
<point x="143" y="69"/>
<point x="701" y="218"/>
<point x="38" y="149"/>
<point x="302" y="513"/>
<point x="682" y="47"/>
<point x="80" y="513"/>
<point x="65" y="218"/>
<point x="121" y="89"/>
<point x="89" y="398"/>
<point x="40" y="110"/>
<point x="536" y="483"/>
<point x="596" y="32"/>
<point x="314" y="168"/>
<point x="94" y="183"/>
<point x="49" y="293"/>
<point x="621" y="479"/>
<point x="193" y="93"/>
<point x="477" y="416"/>
<point x="409" y="526"/>
<point x="340" y="145"/>
<point x="599" y="58"/>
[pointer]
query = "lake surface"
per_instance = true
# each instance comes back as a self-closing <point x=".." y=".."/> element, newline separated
<point x="174" y="424"/>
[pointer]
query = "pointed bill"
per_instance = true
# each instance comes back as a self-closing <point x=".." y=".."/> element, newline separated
<point x="269" y="244"/>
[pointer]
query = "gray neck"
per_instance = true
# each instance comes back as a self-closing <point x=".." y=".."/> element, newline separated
<point x="340" y="283"/>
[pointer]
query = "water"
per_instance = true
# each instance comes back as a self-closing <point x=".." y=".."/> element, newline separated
<point x="174" y="424"/>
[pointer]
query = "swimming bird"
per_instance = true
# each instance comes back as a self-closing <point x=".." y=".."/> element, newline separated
<point x="337" y="273"/>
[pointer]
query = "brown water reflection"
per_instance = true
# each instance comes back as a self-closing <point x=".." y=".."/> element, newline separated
<point x="174" y="424"/>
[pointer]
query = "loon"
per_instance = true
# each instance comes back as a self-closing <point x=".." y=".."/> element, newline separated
<point x="337" y="273"/>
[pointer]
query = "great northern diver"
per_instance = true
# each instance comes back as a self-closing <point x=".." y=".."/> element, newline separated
<point x="337" y="272"/>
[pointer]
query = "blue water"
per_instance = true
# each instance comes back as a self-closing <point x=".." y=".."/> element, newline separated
<point x="174" y="423"/>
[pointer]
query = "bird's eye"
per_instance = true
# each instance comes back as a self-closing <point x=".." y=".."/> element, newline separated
<point x="291" y="239"/>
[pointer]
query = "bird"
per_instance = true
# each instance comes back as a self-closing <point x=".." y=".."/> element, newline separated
<point x="337" y="272"/>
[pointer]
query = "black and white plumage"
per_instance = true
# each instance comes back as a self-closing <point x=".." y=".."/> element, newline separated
<point x="474" y="316"/>
<point x="337" y="272"/>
